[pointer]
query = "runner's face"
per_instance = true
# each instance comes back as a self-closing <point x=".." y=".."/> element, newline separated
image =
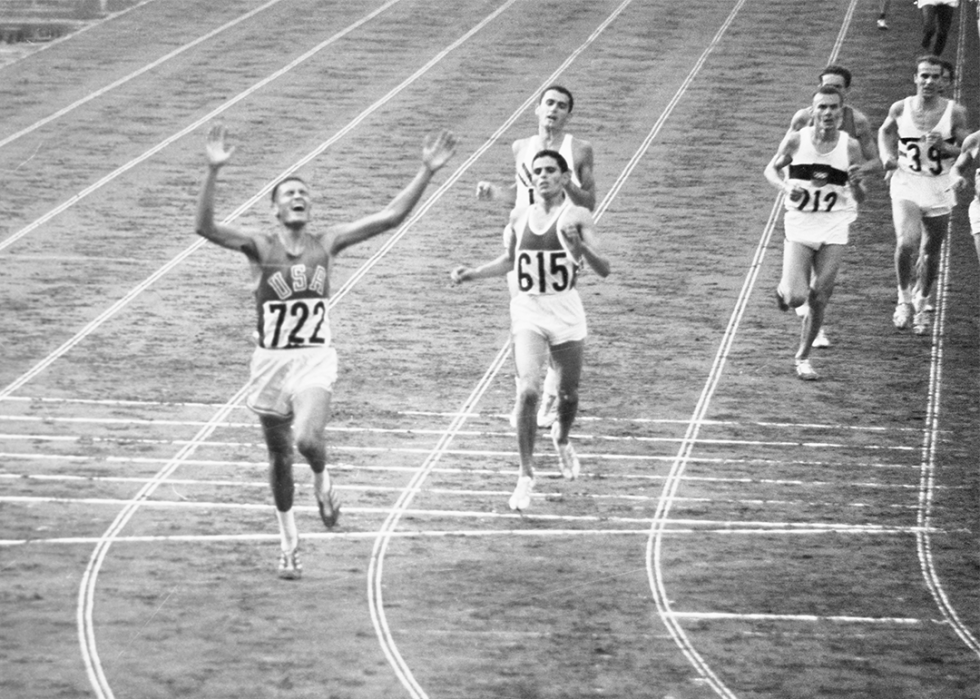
<point x="549" y="180"/>
<point x="929" y="79"/>
<point x="826" y="110"/>
<point x="552" y="110"/>
<point x="293" y="203"/>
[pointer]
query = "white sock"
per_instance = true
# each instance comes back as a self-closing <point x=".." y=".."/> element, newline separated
<point x="803" y="311"/>
<point x="287" y="530"/>
<point x="551" y="382"/>
<point x="904" y="295"/>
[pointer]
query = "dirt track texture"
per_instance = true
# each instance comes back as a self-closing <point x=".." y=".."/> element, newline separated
<point x="818" y="537"/>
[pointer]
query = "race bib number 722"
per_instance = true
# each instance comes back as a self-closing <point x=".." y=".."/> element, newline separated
<point x="294" y="323"/>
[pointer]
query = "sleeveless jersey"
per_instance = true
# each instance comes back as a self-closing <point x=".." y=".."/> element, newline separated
<point x="913" y="155"/>
<point x="823" y="178"/>
<point x="525" y="188"/>
<point x="291" y="296"/>
<point x="542" y="263"/>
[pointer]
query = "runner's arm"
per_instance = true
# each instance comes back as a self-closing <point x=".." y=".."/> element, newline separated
<point x="888" y="139"/>
<point x="855" y="171"/>
<point x="218" y="155"/>
<point x="583" y="194"/>
<point x="435" y="153"/>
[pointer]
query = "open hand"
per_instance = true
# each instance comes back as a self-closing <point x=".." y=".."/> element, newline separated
<point x="218" y="153"/>
<point x="438" y="149"/>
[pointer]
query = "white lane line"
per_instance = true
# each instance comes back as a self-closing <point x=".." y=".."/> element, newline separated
<point x="28" y="479"/>
<point x="482" y="533"/>
<point x="86" y="628"/>
<point x="723" y="616"/>
<point x="655" y="543"/>
<point x="122" y="81"/>
<point x="642" y="478"/>
<point x="579" y="437"/>
<point x="478" y="415"/>
<point x="146" y="283"/>
<point x="81" y="30"/>
<point x="14" y="237"/>
<point x="930" y="432"/>
<point x="686" y="524"/>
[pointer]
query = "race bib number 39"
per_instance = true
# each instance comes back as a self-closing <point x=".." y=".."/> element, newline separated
<point x="295" y="323"/>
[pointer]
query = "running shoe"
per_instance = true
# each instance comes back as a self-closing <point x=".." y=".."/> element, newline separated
<point x="290" y="567"/>
<point x="329" y="507"/>
<point x="567" y="459"/>
<point x="783" y="306"/>
<point x="882" y="24"/>
<point x="821" y="340"/>
<point x="921" y="322"/>
<point x="548" y="411"/>
<point x="805" y="371"/>
<point x="902" y="318"/>
<point x="521" y="499"/>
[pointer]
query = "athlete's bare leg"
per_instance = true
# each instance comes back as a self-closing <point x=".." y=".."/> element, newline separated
<point x="826" y="263"/>
<point x="567" y="358"/>
<point x="530" y="355"/>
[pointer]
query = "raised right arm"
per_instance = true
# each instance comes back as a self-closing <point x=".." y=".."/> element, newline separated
<point x="205" y="225"/>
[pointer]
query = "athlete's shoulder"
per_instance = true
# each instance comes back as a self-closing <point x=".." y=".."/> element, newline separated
<point x="801" y="118"/>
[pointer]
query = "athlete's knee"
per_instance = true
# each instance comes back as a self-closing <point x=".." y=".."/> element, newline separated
<point x="311" y="446"/>
<point x="529" y="390"/>
<point x="820" y="296"/>
<point x="568" y="395"/>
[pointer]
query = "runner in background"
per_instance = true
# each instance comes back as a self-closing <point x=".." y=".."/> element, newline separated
<point x="819" y="170"/>
<point x="919" y="141"/>
<point x="553" y="111"/>
<point x="547" y="244"/>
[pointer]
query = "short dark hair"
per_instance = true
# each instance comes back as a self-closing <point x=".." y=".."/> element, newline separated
<point x="548" y="153"/>
<point x="562" y="89"/>
<point x="830" y="90"/>
<point x="834" y="69"/>
<point x="930" y="59"/>
<point x="284" y="180"/>
<point x="948" y="67"/>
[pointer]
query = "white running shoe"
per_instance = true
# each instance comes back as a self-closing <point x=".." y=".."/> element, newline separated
<point x="521" y="499"/>
<point x="548" y="410"/>
<point x="567" y="459"/>
<point x="821" y="340"/>
<point x="805" y="371"/>
<point x="902" y="318"/>
<point x="882" y="24"/>
<point x="290" y="567"/>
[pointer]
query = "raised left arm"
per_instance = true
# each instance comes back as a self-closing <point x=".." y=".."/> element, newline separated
<point x="435" y="153"/>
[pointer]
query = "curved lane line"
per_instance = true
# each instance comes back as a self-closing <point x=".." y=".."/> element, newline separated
<point x="927" y="481"/>
<point x="86" y="598"/>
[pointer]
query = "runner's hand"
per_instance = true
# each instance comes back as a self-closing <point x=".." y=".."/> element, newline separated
<point x="217" y="152"/>
<point x="438" y="149"/>
<point x="485" y="191"/>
